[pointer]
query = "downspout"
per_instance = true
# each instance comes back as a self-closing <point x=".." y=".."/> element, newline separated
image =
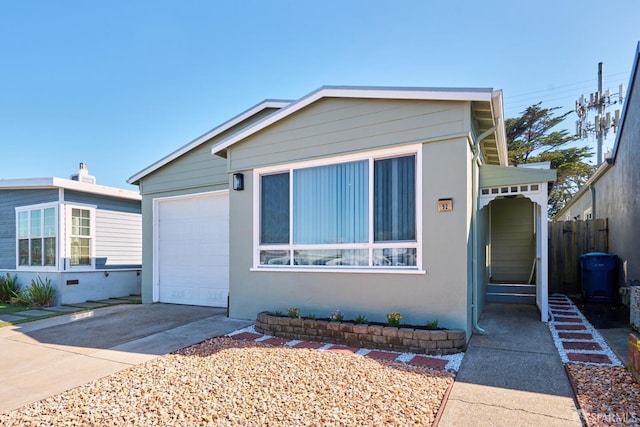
<point x="474" y="227"/>
<point x="593" y="201"/>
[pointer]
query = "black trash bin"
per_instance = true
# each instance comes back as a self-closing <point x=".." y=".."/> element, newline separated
<point x="598" y="276"/>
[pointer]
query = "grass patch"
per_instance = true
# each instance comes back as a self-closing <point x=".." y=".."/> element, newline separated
<point x="11" y="309"/>
<point x="16" y="309"/>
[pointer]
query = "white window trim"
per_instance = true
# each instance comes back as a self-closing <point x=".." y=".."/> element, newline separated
<point x="68" y="208"/>
<point x="40" y="206"/>
<point x="414" y="149"/>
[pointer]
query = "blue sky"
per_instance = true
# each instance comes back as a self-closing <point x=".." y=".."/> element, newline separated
<point x="120" y="84"/>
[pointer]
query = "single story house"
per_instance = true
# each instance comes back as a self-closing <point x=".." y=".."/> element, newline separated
<point x="85" y="238"/>
<point x="364" y="199"/>
<point x="613" y="191"/>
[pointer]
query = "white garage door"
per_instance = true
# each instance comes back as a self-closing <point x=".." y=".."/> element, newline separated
<point x="192" y="250"/>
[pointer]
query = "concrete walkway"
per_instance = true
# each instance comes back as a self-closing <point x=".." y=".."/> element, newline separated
<point x="512" y="375"/>
<point x="47" y="357"/>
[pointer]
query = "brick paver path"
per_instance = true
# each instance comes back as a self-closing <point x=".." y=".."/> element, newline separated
<point x="577" y="341"/>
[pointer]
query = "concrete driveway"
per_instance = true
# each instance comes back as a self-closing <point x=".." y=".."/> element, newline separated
<point x="47" y="357"/>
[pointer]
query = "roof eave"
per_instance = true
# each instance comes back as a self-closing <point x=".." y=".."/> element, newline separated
<point x="501" y="136"/>
<point x="604" y="166"/>
<point x="135" y="179"/>
<point x="68" y="184"/>
<point x="431" y="94"/>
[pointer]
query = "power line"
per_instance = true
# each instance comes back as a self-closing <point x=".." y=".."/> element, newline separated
<point x="553" y="96"/>
<point x="590" y="81"/>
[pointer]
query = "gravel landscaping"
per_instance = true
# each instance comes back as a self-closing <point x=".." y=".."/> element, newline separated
<point x="608" y="396"/>
<point x="228" y="382"/>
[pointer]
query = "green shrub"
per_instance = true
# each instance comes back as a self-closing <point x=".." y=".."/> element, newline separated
<point x="432" y="324"/>
<point x="311" y="316"/>
<point x="337" y="316"/>
<point x="394" y="318"/>
<point x="40" y="293"/>
<point x="276" y="313"/>
<point x="360" y="320"/>
<point x="20" y="297"/>
<point x="8" y="287"/>
<point x="293" y="312"/>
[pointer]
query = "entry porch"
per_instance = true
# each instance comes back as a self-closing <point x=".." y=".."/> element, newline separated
<point x="513" y="209"/>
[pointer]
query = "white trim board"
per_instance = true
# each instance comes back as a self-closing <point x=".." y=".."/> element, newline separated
<point x="207" y="136"/>
<point x="68" y="184"/>
<point x="431" y="94"/>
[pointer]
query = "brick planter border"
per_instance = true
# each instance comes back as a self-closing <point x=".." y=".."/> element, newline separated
<point x="402" y="339"/>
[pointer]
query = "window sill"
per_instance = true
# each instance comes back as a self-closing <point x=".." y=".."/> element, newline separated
<point x="80" y="268"/>
<point x="340" y="270"/>
<point x="35" y="268"/>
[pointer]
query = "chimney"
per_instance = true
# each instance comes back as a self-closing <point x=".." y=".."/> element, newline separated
<point x="83" y="175"/>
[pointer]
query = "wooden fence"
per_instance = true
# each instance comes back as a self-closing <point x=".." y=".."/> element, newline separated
<point x="567" y="241"/>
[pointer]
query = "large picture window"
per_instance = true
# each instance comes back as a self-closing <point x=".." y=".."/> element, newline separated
<point x="37" y="234"/>
<point x="356" y="213"/>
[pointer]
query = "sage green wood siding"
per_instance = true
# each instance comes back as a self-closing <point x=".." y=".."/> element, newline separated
<point x="442" y="293"/>
<point x="334" y="126"/>
<point x="196" y="170"/>
<point x="513" y="245"/>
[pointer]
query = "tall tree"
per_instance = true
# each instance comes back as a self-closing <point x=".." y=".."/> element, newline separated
<point x="532" y="138"/>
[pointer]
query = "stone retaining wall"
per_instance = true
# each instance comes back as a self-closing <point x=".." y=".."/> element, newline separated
<point x="402" y="339"/>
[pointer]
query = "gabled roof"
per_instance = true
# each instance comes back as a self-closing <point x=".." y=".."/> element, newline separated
<point x="68" y="184"/>
<point x="630" y="94"/>
<point x="491" y="98"/>
<point x="267" y="104"/>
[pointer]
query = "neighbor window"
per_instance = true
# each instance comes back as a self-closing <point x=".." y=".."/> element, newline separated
<point x="80" y="237"/>
<point x="357" y="213"/>
<point x="36" y="236"/>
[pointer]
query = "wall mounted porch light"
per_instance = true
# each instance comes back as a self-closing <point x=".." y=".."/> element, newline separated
<point x="238" y="181"/>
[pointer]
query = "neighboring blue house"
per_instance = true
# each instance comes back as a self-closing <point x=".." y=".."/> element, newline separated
<point x="85" y="238"/>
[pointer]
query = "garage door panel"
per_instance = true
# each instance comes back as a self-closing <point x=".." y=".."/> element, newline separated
<point x="220" y="272"/>
<point x="176" y="231"/>
<point x="213" y="235"/>
<point x="178" y="253"/>
<point x="193" y="250"/>
<point x="211" y="251"/>
<point x="214" y="297"/>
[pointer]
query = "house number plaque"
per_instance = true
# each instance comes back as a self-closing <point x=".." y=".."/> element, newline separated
<point x="445" y="205"/>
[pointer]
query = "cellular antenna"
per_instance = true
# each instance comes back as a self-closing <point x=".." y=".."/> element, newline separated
<point x="603" y="121"/>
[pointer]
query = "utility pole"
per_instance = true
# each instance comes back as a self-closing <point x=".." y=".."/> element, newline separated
<point x="600" y="113"/>
<point x="603" y="121"/>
